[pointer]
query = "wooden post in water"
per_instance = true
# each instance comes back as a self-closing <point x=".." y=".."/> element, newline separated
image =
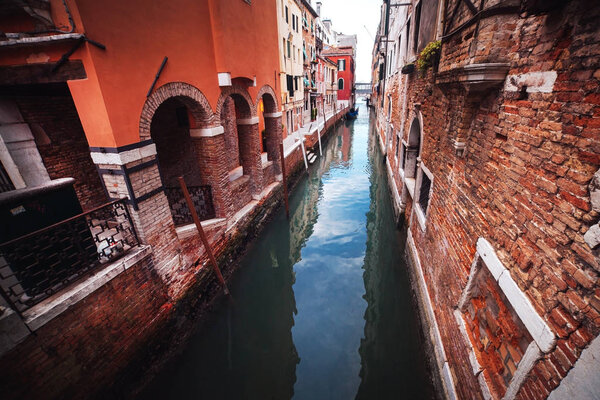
<point x="201" y="233"/>
<point x="284" y="181"/>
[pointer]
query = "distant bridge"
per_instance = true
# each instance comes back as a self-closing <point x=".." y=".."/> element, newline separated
<point x="362" y="88"/>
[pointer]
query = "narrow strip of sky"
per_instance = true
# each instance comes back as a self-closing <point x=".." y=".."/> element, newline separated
<point x="350" y="17"/>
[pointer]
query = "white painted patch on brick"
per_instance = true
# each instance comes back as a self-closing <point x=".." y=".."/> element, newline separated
<point x="536" y="82"/>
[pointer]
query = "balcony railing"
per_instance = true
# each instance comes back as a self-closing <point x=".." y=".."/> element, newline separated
<point x="202" y="198"/>
<point x="39" y="264"/>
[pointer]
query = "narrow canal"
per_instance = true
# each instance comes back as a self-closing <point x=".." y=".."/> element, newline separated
<point x="322" y="304"/>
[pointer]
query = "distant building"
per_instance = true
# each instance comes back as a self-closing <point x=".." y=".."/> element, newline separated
<point x="344" y="58"/>
<point x="309" y="50"/>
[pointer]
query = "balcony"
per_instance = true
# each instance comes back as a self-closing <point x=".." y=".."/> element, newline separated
<point x="39" y="264"/>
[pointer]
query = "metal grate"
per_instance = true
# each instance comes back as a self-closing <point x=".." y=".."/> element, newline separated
<point x="202" y="198"/>
<point x="39" y="264"/>
<point x="5" y="181"/>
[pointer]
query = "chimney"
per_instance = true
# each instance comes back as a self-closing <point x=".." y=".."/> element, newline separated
<point x="319" y="8"/>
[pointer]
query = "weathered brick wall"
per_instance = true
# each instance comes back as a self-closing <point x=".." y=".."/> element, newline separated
<point x="522" y="183"/>
<point x="66" y="363"/>
<point x="231" y="134"/>
<point x="66" y="153"/>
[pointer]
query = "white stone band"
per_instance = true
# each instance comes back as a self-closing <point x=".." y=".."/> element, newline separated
<point x="247" y="121"/>
<point x="273" y="115"/>
<point x="207" y="132"/>
<point x="125" y="157"/>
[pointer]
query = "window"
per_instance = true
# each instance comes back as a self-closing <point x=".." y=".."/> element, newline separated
<point x="341" y="65"/>
<point x="286" y="15"/>
<point x="402" y="156"/>
<point x="293" y="22"/>
<point x="397" y="144"/>
<point x="417" y="23"/>
<point x="340" y="84"/>
<point x="294" y="53"/>
<point x="398" y="60"/>
<point x="283" y="47"/>
<point x="424" y="192"/>
<point x="289" y="47"/>
<point x="407" y="35"/>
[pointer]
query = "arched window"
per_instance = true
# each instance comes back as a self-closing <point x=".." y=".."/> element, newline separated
<point x="340" y="84"/>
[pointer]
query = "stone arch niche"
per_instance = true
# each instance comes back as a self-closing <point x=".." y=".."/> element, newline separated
<point x="413" y="149"/>
<point x="172" y="118"/>
<point x="270" y="132"/>
<point x="242" y="147"/>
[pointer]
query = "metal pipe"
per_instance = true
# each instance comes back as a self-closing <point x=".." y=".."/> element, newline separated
<point x="201" y="233"/>
<point x="160" y="69"/>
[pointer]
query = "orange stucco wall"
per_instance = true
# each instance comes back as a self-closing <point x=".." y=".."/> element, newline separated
<point x="200" y="38"/>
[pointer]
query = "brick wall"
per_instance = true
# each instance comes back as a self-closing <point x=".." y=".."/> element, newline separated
<point x="100" y="340"/>
<point x="522" y="182"/>
<point x="55" y="117"/>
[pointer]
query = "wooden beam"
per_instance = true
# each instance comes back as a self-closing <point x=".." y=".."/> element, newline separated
<point x="450" y="20"/>
<point x="471" y="6"/>
<point x="41" y="73"/>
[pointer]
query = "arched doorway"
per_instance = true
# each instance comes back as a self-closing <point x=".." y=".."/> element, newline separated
<point x="271" y="134"/>
<point x="170" y="132"/>
<point x="175" y="117"/>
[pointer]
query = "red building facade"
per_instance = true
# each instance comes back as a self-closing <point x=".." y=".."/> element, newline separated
<point x="344" y="58"/>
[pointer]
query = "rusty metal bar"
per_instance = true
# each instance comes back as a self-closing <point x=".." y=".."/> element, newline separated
<point x="201" y="233"/>
<point x="160" y="69"/>
<point x="284" y="181"/>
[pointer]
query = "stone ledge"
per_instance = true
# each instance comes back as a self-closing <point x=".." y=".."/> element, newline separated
<point x="189" y="230"/>
<point x="475" y="77"/>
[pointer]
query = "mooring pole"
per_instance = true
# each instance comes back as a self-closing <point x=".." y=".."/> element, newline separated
<point x="284" y="181"/>
<point x="201" y="233"/>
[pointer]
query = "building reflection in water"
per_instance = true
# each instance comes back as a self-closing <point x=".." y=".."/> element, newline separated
<point x="392" y="355"/>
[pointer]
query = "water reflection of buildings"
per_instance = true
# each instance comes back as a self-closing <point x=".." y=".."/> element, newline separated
<point x="336" y="151"/>
<point x="390" y="359"/>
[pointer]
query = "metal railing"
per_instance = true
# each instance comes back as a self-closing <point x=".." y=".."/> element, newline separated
<point x="39" y="264"/>
<point x="202" y="198"/>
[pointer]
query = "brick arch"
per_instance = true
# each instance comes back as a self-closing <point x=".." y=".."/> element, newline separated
<point x="189" y="95"/>
<point x="243" y="102"/>
<point x="270" y="107"/>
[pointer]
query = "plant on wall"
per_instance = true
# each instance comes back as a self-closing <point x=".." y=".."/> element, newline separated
<point x="429" y="55"/>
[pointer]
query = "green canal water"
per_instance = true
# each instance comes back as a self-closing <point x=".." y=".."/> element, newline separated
<point x="322" y="303"/>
